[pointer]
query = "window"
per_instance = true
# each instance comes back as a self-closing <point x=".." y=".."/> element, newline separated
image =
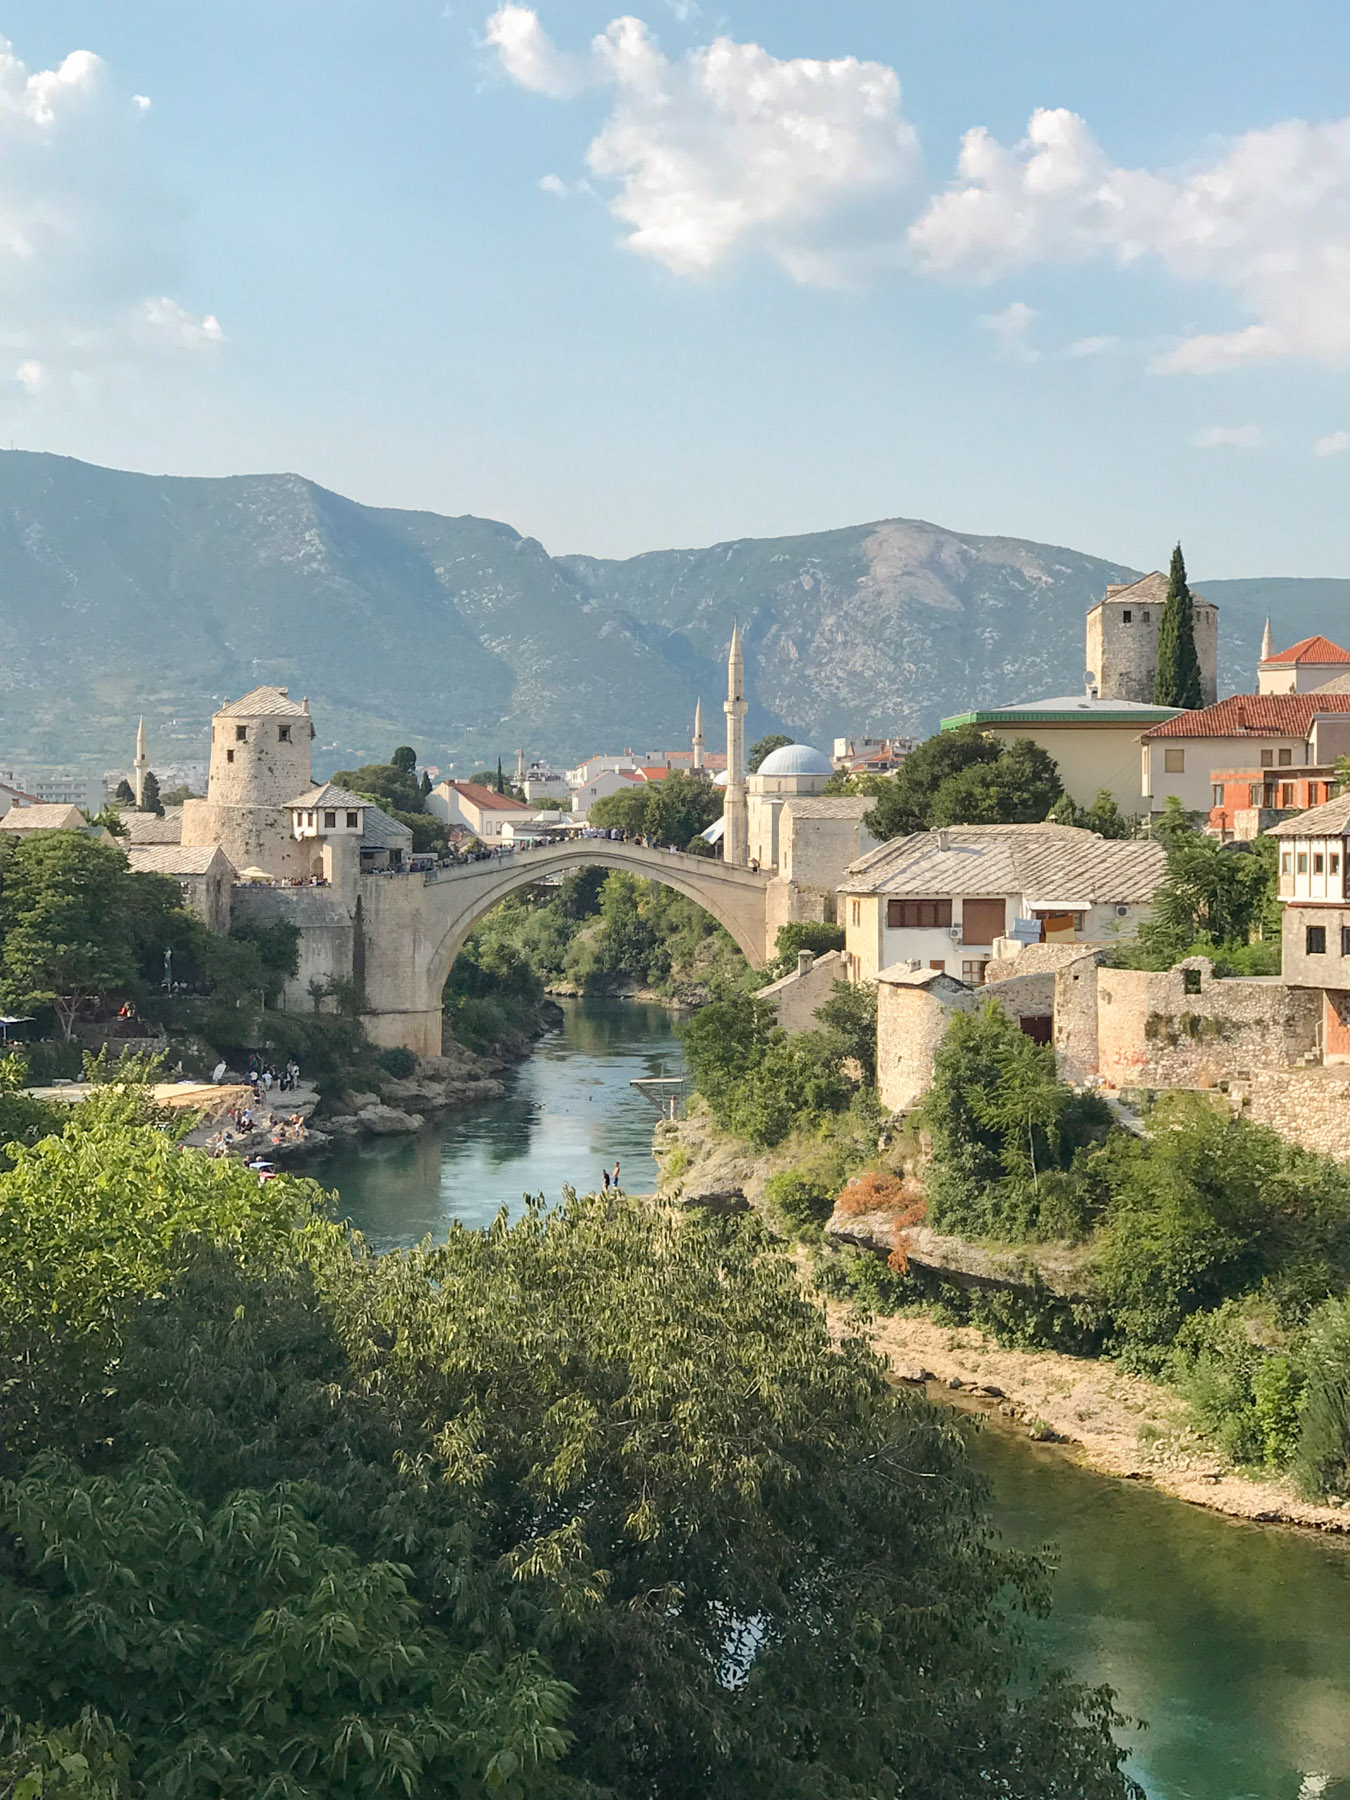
<point x="1318" y="862"/>
<point x="1286" y="794"/>
<point x="330" y="821"/>
<point x="855" y="912"/>
<point x="1127" y="618"/>
<point x="1287" y="863"/>
<point x="351" y="821"/>
<point x="241" y="734"/>
<point x="1146" y="617"/>
<point x="1267" y="759"/>
<point x="1218" y="793"/>
<point x="972" y="973"/>
<point x="1254" y="793"/>
<point x="1345" y="940"/>
<point x="229" y="756"/>
<point x="1285" y="758"/>
<point x="1174" y="762"/>
<point x="1335" y="862"/>
<point x="1303" y="862"/>
<point x="939" y="964"/>
<point x="283" y="734"/>
<point x="918" y="915"/>
<point x="1315" y="940"/>
<point x="1190" y="981"/>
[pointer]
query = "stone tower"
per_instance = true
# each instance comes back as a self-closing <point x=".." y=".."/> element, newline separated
<point x="698" y="737"/>
<point x="259" y="764"/>
<point x="1122" y="641"/>
<point x="142" y="763"/>
<point x="735" y="832"/>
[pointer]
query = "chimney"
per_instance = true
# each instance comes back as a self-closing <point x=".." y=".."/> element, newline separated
<point x="1242" y="718"/>
<point x="944" y="840"/>
<point x="805" y="961"/>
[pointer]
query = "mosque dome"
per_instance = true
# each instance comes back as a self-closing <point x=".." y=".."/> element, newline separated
<point x="796" y="759"/>
<point x="721" y="778"/>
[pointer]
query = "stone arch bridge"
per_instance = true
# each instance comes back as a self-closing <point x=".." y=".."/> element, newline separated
<point x="410" y="928"/>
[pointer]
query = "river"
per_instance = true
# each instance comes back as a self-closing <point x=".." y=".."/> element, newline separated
<point x="1231" y="1640"/>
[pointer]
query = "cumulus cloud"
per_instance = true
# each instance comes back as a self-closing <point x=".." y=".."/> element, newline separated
<point x="1228" y="437"/>
<point x="1092" y="346"/>
<point x="553" y="184"/>
<point x="1009" y="330"/>
<point x="728" y="146"/>
<point x="1335" y="444"/>
<point x="1269" y="219"/>
<point x="86" y="232"/>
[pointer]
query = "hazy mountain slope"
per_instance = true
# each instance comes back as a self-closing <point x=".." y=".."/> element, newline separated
<point x="124" y="593"/>
<point x="881" y="626"/>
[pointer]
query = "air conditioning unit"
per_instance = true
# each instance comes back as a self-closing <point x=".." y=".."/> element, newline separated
<point x="954" y="933"/>
<point x="1122" y="912"/>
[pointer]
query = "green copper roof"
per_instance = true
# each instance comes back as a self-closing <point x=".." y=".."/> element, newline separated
<point x="1067" y="710"/>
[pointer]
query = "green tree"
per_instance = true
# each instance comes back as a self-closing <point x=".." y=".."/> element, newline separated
<point x="1212" y="895"/>
<point x="1018" y="788"/>
<point x="500" y="783"/>
<point x="64" y="940"/>
<point x="404" y="760"/>
<point x="624" y="810"/>
<point x="126" y="794"/>
<point x="801" y="934"/>
<point x="905" y="799"/>
<point x="1103" y="816"/>
<point x="396" y="790"/>
<point x="765" y="746"/>
<point x="850" y="1017"/>
<point x="679" y="808"/>
<point x="150" y="800"/>
<point x="1177" y="680"/>
<point x="425" y="784"/>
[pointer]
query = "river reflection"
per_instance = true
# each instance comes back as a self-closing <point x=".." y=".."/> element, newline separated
<point x="1232" y="1640"/>
<point x="568" y="1113"/>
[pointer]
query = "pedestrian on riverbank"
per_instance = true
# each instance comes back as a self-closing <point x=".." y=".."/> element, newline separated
<point x="604" y="1177"/>
<point x="615" y="1177"/>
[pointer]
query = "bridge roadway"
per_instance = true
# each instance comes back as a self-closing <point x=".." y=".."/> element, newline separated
<point x="413" y="928"/>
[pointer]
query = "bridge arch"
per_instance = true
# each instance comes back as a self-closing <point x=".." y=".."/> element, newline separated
<point x="734" y="897"/>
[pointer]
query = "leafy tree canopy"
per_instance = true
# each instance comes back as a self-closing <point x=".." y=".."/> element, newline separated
<point x="965" y="777"/>
<point x="150" y="800"/>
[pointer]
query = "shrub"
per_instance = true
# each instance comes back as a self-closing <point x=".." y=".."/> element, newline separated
<point x="398" y="1062"/>
<point x="800" y="1199"/>
<point x="1322" y="1459"/>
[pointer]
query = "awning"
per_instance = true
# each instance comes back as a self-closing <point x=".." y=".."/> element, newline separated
<point x="713" y="835"/>
<point x="1037" y="906"/>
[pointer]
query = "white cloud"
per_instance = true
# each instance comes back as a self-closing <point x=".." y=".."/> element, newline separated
<point x="728" y="146"/>
<point x="553" y="184"/>
<point x="1009" y="330"/>
<point x="1269" y="219"/>
<point x="86" y="233"/>
<point x="1336" y="444"/>
<point x="1092" y="346"/>
<point x="1228" y="437"/>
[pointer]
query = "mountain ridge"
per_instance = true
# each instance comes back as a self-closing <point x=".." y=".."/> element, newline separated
<point x="123" y="593"/>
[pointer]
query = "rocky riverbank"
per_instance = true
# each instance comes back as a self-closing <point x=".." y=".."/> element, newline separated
<point x="1118" y="1423"/>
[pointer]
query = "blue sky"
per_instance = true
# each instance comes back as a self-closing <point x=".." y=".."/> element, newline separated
<point x="762" y="289"/>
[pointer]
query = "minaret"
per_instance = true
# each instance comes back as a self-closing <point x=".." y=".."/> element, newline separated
<point x="698" y="737"/>
<point x="1267" y="644"/>
<point x="736" y="831"/>
<point x="520" y="768"/>
<point x="142" y="762"/>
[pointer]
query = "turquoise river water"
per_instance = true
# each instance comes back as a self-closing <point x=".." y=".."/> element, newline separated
<point x="1231" y="1640"/>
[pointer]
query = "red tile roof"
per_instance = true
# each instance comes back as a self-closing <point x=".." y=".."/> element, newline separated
<point x="1310" y="650"/>
<point x="488" y="800"/>
<point x="658" y="773"/>
<point x="1252" y="715"/>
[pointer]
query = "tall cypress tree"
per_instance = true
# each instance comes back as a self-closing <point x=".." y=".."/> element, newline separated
<point x="1177" y="679"/>
<point x="501" y="779"/>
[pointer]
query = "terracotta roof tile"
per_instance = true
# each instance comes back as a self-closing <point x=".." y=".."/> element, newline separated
<point x="1310" y="650"/>
<point x="487" y="799"/>
<point x="1252" y="715"/>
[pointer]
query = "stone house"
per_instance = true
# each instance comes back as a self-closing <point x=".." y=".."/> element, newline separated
<point x="797" y="997"/>
<point x="204" y="874"/>
<point x="942" y="899"/>
<point x="915" y="1007"/>
<point x="1302" y="668"/>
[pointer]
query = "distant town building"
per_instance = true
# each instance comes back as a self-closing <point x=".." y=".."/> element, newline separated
<point x="57" y="787"/>
<point x="1094" y="742"/>
<point x="481" y="810"/>
<point x="44" y="816"/>
<point x="870" y="755"/>
<point x="1122" y="641"/>
<point x="13" y="796"/>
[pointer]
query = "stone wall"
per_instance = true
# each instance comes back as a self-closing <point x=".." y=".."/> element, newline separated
<point x="785" y="904"/>
<point x="912" y="1020"/>
<point x="1153" y="1032"/>
<point x="327" y="936"/>
<point x="1310" y="1107"/>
